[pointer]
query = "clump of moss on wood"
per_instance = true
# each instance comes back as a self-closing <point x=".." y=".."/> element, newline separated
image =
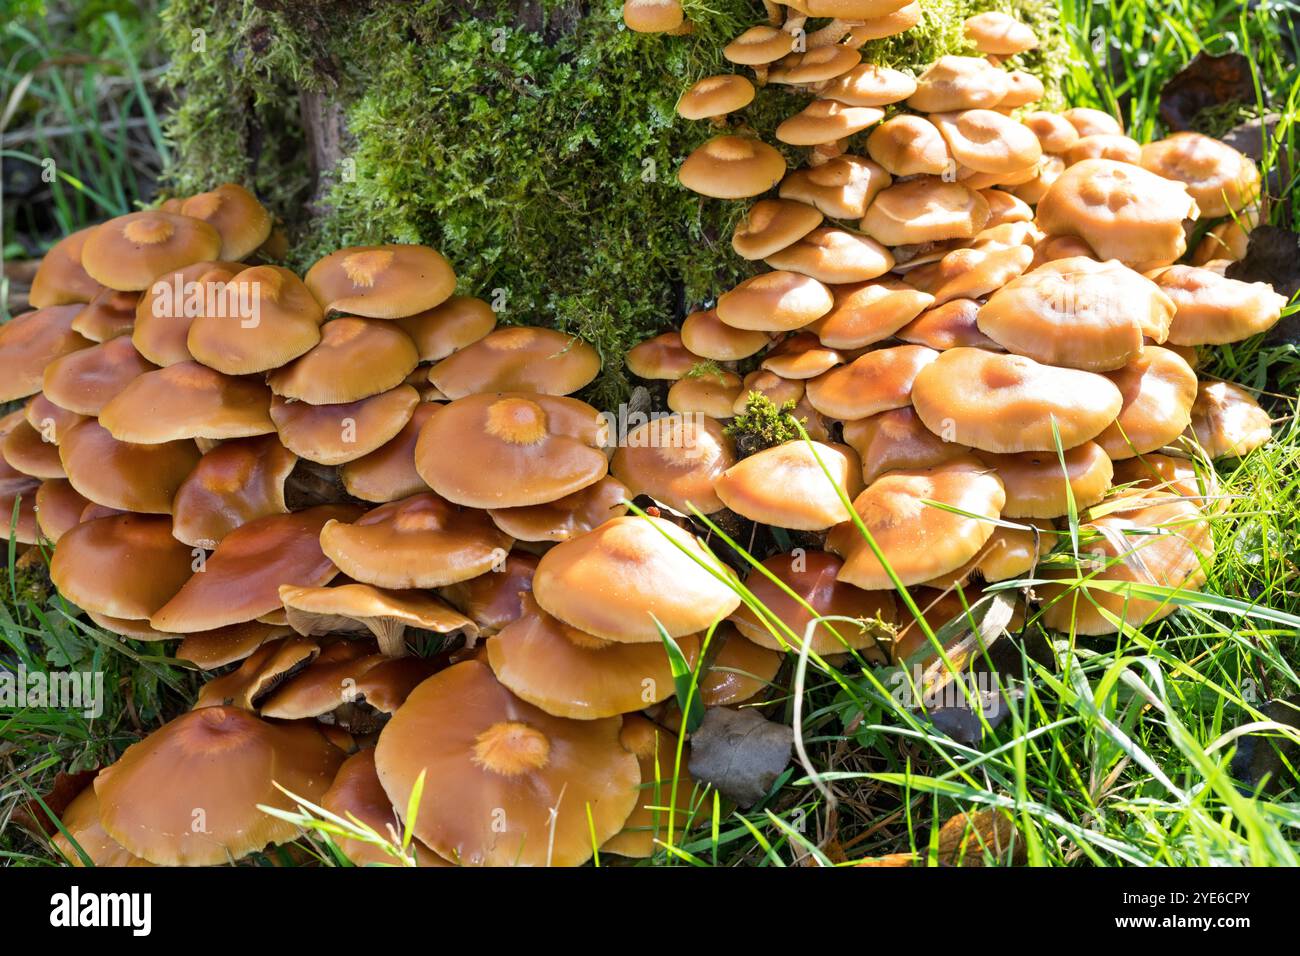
<point x="537" y="151"/>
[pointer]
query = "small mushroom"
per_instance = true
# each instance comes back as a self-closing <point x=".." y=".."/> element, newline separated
<point x="364" y="609"/>
<point x="85" y="381"/>
<point x="675" y="459"/>
<point x="25" y="450"/>
<point x="356" y="794"/>
<point x="188" y="400"/>
<point x="738" y="670"/>
<point x="801" y="356"/>
<point x="1038" y="487"/>
<point x="732" y="167"/>
<point x="125" y="475"/>
<point x="258" y="675"/>
<point x="242" y="222"/>
<point x="714" y="97"/>
<point x="874" y="382"/>
<point x="1055" y="133"/>
<point x="1010" y="552"/>
<point x="1120" y="148"/>
<point x="237" y="482"/>
<point x="109" y="314"/>
<point x="381" y="282"/>
<point x="705" y="393"/>
<point x="896" y="439"/>
<point x="799" y="485"/>
<point x="354" y="359"/>
<point x="518" y="359"/>
<point x="772" y="225"/>
<point x="815" y="65"/>
<point x="448" y="327"/>
<point x="1159" y="389"/>
<point x="834" y="256"/>
<point x="1227" y="422"/>
<point x="335" y="434"/>
<point x="492" y="600"/>
<point x="226" y="645"/>
<point x="958" y="83"/>
<point x="662" y="358"/>
<point x="927" y="209"/>
<point x="954" y="324"/>
<point x="864" y="313"/>
<point x="81" y="822"/>
<point x="128" y="253"/>
<point x="842" y="187"/>
<point x="708" y="337"/>
<point x="870" y="85"/>
<point x="1210" y="309"/>
<point x="998" y="33"/>
<point x="909" y="145"/>
<point x="60" y="278"/>
<point x="388" y="473"/>
<point x="58" y="505"/>
<point x="258" y="320"/>
<point x="826" y="121"/>
<point x="564" y="518"/>
<point x="648" y="826"/>
<point x="774" y="302"/>
<point x="654" y="16"/>
<point x="988" y="142"/>
<point x="31" y="341"/>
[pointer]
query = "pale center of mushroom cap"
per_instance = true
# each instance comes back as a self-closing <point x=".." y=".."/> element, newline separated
<point x="363" y="268"/>
<point x="150" y="231"/>
<point x="516" y="421"/>
<point x="194" y="377"/>
<point x="266" y="284"/>
<point x="237" y="474"/>
<point x="341" y="332"/>
<point x="511" y="748"/>
<point x="511" y="339"/>
<point x="711" y="83"/>
<point x="900" y="502"/>
<point x="1008" y="373"/>
<point x="730" y="149"/>
<point x="678" y="441"/>
<point x="204" y="205"/>
<point x="760" y="217"/>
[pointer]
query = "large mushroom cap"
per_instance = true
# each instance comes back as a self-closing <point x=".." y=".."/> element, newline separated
<point x="511" y="449"/>
<point x="986" y="141"/>
<point x="1158" y="388"/>
<point x="567" y="517"/>
<point x="418" y="542"/>
<point x="785" y="486"/>
<point x="732" y="167"/>
<point x="109" y="314"/>
<point x="1211" y="309"/>
<point x="388" y="472"/>
<point x="958" y="83"/>
<point x="1122" y="211"/>
<point x="998" y="33"/>
<point x="825" y="121"/>
<point x="715" y="96"/>
<point x="354" y="359"/>
<point x="771" y="225"/>
<point x="188" y="400"/>
<point x="381" y="282"/>
<point x="813" y="577"/>
<point x="237" y="482"/>
<point x="168" y="307"/>
<point x="128" y="253"/>
<point x="569" y="673"/>
<point x="834" y="255"/>
<point x="30" y="342"/>
<point x="60" y="279"/>
<point x="675" y="459"/>
<point x="334" y="434"/>
<point x="357" y="794"/>
<point x="867" y="312"/>
<point x="842" y="187"/>
<point x="1007" y="403"/>
<point x="241" y="579"/>
<point x="85" y="380"/>
<point x="613" y="581"/>
<point x="124" y="475"/>
<point x="874" y="382"/>
<point x="1104" y="146"/>
<point x="518" y="359"/>
<point x="1227" y="421"/>
<point x="123" y="565"/>
<point x="706" y="336"/>
<point x="242" y="222"/>
<point x="188" y="794"/>
<point x="81" y="821"/>
<point x="909" y="145"/>
<point x="896" y="439"/>
<point x="438" y="332"/>
<point x="259" y="319"/>
<point x="505" y="783"/>
<point x="774" y="302"/>
<point x="1077" y="312"/>
<point x="927" y="209"/>
<point x="1220" y="179"/>
<point x="870" y="85"/>
<point x="920" y="541"/>
<point x="1037" y="486"/>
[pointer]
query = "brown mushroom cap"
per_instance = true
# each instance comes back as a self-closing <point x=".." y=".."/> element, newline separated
<point x="1077" y="312"/>
<point x="785" y="486"/>
<point x="1227" y="421"/>
<point x="128" y="253"/>
<point x="732" y="167"/>
<point x="842" y="187"/>
<point x="168" y="307"/>
<point x="18" y="493"/>
<point x="706" y="393"/>
<point x="81" y="821"/>
<point x="1161" y="540"/>
<point x="774" y="302"/>
<point x="569" y="673"/>
<point x="109" y="314"/>
<point x="926" y="209"/>
<point x="958" y="83"/>
<point x="123" y="475"/>
<point x="812" y="576"/>
<point x="363" y="609"/>
<point x="625" y="563"/>
<point x="972" y="273"/>
<point x="355" y="358"/>
<point x="1008" y="553"/>
<point x="987" y="141"/>
<point x="867" y="312"/>
<point x="85" y="380"/>
<point x="1210" y="309"/>
<point x="1158" y="388"/>
<point x="998" y="33"/>
<point x="1007" y="403"/>
<point x="237" y="482"/>
<point x="715" y="96"/>
<point x="825" y="121"/>
<point x="886" y="24"/>
<point x="388" y="473"/>
<point x="381" y="282"/>
<point x="1036" y="485"/>
<point x="909" y="145"/>
<point x="512" y="449"/>
<point x="124" y="565"/>
<point x="663" y="357"/>
<point x="492" y="761"/>
<point x="708" y="337"/>
<point x="241" y="579"/>
<point x="1220" y="179"/>
<point x="518" y="359"/>
<point x="356" y="794"/>
<point x="801" y="355"/>
<point x="920" y="541"/>
<point x="248" y="685"/>
<point x="60" y="279"/>
<point x="418" y="542"/>
<point x="30" y="342"/>
<point x="1023" y="88"/>
<point x="1179" y="476"/>
<point x="648" y="826"/>
<point x="675" y="459"/>
<point x="1122" y="211"/>
<point x="653" y="16"/>
<point x="834" y="255"/>
<point x="58" y="506"/>
<point x="257" y="320"/>
<point x="492" y="600"/>
<point x="1055" y="133"/>
<point x="1114" y="146"/>
<point x="1090" y="122"/>
<point x="776" y="389"/>
<point x="954" y="324"/>
<point x="25" y="450"/>
<point x="188" y="400"/>
<point x="242" y="222"/>
<point x="438" y="332"/>
<point x="896" y="439"/>
<point x="738" y="669"/>
<point x="870" y="85"/>
<point x="226" y="645"/>
<point x="221" y="760"/>
<point x="334" y="434"/>
<point x="771" y="225"/>
<point x="566" y="517"/>
<point x="1005" y="208"/>
<point x="872" y="383"/>
<point x="759" y="45"/>
<point x="815" y="65"/>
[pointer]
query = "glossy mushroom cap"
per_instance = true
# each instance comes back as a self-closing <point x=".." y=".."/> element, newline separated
<point x="495" y="770"/>
<point x="715" y="96"/>
<point x="1091" y="122"/>
<point x="259" y="319"/>
<point x="354" y="359"/>
<point x="60" y="279"/>
<point x="870" y="85"/>
<point x="242" y="222"/>
<point x="388" y="473"/>
<point x="334" y="434"/>
<point x="987" y="141"/>
<point x="786" y="487"/>
<point x="875" y="382"/>
<point x="567" y="517"/>
<point x="662" y="358"/>
<point x="732" y="167"/>
<point x="801" y="356"/>
<point x="492" y="600"/>
<point x="708" y="337"/>
<point x="998" y="33"/>
<point x="826" y="121"/>
<point x="675" y="459"/>
<point x="124" y="475"/>
<point x="518" y="359"/>
<point x="842" y="187"/>
<point x="909" y="145"/>
<point x="1159" y="389"/>
<point x="364" y="609"/>
<point x="1227" y="421"/>
<point x="774" y="302"/>
<point x="512" y="449"/>
<point x="226" y="645"/>
<point x="771" y="225"/>
<point x="272" y="664"/>
<point x="128" y="253"/>
<point x="85" y="381"/>
<point x="1220" y="179"/>
<point x="815" y="65"/>
<point x="1007" y="403"/>
<point x="58" y="504"/>
<point x="438" y="332"/>
<point x="738" y="670"/>
<point x="30" y="342"/>
<point x="664" y="781"/>
<point x="81" y="820"/>
<point x="1104" y="146"/>
<point x="1055" y="133"/>
<point x="927" y="209"/>
<point x="1211" y="309"/>
<point x="834" y="255"/>
<point x="188" y="400"/>
<point x="237" y="482"/>
<point x="867" y="312"/>
<point x="123" y="565"/>
<point x="652" y="16"/>
<point x="1037" y="487"/>
<point x="356" y="794"/>
<point x="624" y="564"/>
<point x="222" y="762"/>
<point x="896" y="439"/>
<point x="758" y="46"/>
<point x="958" y="83"/>
<point x="381" y="282"/>
<point x="109" y="314"/>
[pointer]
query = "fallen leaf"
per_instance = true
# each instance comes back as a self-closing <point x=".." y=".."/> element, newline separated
<point x="1269" y="758"/>
<point x="740" y="752"/>
<point x="31" y="816"/>
<point x="1204" y="82"/>
<point x="1273" y="256"/>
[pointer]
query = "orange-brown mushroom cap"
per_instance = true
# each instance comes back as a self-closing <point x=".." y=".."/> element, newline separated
<point x="334" y="434"/>
<point x="732" y="167"/>
<point x="109" y="314"/>
<point x="30" y="342"/>
<point x="125" y="475"/>
<point x="897" y="439"/>
<point x="257" y="320"/>
<point x="166" y="309"/>
<point x="81" y="821"/>
<point x="787" y="486"/>
<point x="518" y="359"/>
<point x="188" y="400"/>
<point x="842" y="187"/>
<point x="364" y="609"/>
<point x="85" y="381"/>
<point x="1210" y="309"/>
<point x="60" y="278"/>
<point x="567" y="517"/>
<point x="125" y="565"/>
<point x="241" y="221"/>
<point x="1037" y="487"/>
<point x="128" y="253"/>
<point x="354" y="359"/>
<point x="774" y="302"/>
<point x="356" y="794"/>
<point x="675" y="459"/>
<point x="388" y="472"/>
<point x="1159" y="389"/>
<point x="438" y="332"/>
<point x="237" y="482"/>
<point x="1227" y="421"/>
<point x="873" y="382"/>
<point x="381" y="282"/>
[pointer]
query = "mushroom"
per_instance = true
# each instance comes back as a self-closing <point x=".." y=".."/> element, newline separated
<point x="388" y="473"/>
<point x="714" y="97"/>
<point x="896" y="439"/>
<point x="58" y="504"/>
<point x="1055" y="133"/>
<point x="886" y="24"/>
<point x="771" y="386"/>
<point x="81" y="824"/>
<point x="801" y="356"/>
<point x="988" y="142"/>
<point x="913" y="648"/>
<point x="518" y="359"/>
<point x="867" y="312"/>
<point x="998" y="33"/>
<point x="834" y="256"/>
<point x="449" y="327"/>
<point x="870" y="85"/>
<point x="492" y="600"/>
<point x="1005" y="208"/>
<point x="663" y="357"/>
<point x="109" y="314"/>
<point x="909" y="145"/>
<point x="1159" y="389"/>
<point x="1210" y="309"/>
<point x="654" y="16"/>
<point x="85" y="380"/>
<point x="1179" y="476"/>
<point x="240" y="580"/>
<point x="842" y="187"/>
<point x="1122" y="211"/>
<point x="708" y="337"/>
<point x="738" y="670"/>
<point x="874" y="382"/>
<point x="18" y="499"/>
<point x="675" y="459"/>
<point x="124" y="475"/>
<point x="815" y="65"/>
<point x="188" y="400"/>
<point x="189" y="793"/>
<point x="927" y="209"/>
<point x="972" y="273"/>
<point x="381" y="282"/>
<point x="241" y="221"/>
<point x="512" y="449"/>
<point x="354" y="359"/>
<point x="732" y="167"/>
<point x="771" y="225"/>
<point x="958" y="83"/>
<point x="799" y="485"/>
<point x="125" y="565"/>
<point x="1227" y="422"/>
<point x="920" y="541"/>
<point x="357" y="795"/>
<point x="60" y="278"/>
<point x="1046" y="173"/>
<point x="759" y="46"/>
<point x="1010" y="552"/>
<point x="566" y="517"/>
<point x="705" y="393"/>
<point x="259" y="674"/>
<point x="1114" y="146"/>
<point x="1009" y="403"/>
<point x="25" y="450"/>
<point x="1038" y="486"/>
<point x="826" y="121"/>
<point x="1220" y="179"/>
<point x="774" y="302"/>
<point x="258" y="320"/>
<point x="364" y="609"/>
<point x="949" y="326"/>
<point x="237" y="482"/>
<point x="349" y="687"/>
<point x="226" y="645"/>
<point x="648" y="825"/>
<point x="128" y="253"/>
<point x="1091" y="122"/>
<point x="1022" y="89"/>
<point x="30" y="342"/>
<point x="418" y="542"/>
<point x="627" y="561"/>
<point x="334" y="434"/>
<point x="817" y="593"/>
<point x="505" y="783"/>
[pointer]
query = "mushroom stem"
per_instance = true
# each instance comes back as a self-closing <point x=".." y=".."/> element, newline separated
<point x="824" y="152"/>
<point x="775" y="12"/>
<point x="795" y="24"/>
<point x="719" y="121"/>
<point x="390" y="635"/>
<point x="760" y="75"/>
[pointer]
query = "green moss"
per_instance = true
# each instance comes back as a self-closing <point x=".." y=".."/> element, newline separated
<point x="763" y="424"/>
<point x="541" y="161"/>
